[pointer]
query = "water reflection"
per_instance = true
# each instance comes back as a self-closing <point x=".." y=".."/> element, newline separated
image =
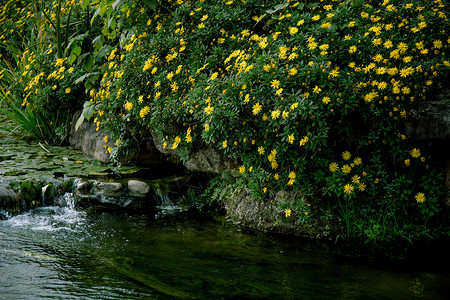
<point x="61" y="252"/>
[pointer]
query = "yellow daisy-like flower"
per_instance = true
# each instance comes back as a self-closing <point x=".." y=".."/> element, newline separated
<point x="333" y="167"/>
<point x="304" y="140"/>
<point x="355" y="179"/>
<point x="128" y="105"/>
<point x="348" y="189"/>
<point x="224" y="144"/>
<point x="357" y="161"/>
<point x="362" y="186"/>
<point x="256" y="108"/>
<point x="420" y="197"/>
<point x="275" y="114"/>
<point x="261" y="150"/>
<point x="291" y="139"/>
<point x="346" y="155"/>
<point x="209" y="109"/>
<point x="275" y="84"/>
<point x="293" y="30"/>
<point x="287" y="212"/>
<point x="346" y="169"/>
<point x="352" y="49"/>
<point x="68" y="90"/>
<point x="242" y="169"/>
<point x="415" y="153"/>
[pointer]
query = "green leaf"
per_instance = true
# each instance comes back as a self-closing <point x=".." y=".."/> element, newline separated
<point x="85" y="3"/>
<point x="77" y="50"/>
<point x="48" y="191"/>
<point x="80" y="79"/>
<point x="72" y="58"/>
<point x="79" y="122"/>
<point x="88" y="110"/>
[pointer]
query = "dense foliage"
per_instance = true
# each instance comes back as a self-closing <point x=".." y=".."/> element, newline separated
<point x="308" y="96"/>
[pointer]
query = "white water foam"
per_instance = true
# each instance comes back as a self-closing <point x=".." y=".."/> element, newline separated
<point x="51" y="218"/>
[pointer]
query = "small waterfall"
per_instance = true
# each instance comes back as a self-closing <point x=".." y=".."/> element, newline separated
<point x="166" y="207"/>
<point x="163" y="197"/>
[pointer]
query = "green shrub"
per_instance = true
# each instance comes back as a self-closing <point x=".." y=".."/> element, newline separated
<point x="310" y="96"/>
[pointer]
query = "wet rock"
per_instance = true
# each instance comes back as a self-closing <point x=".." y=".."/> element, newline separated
<point x="138" y="188"/>
<point x="10" y="201"/>
<point x="110" y="189"/>
<point x="265" y="215"/>
<point x="89" y="140"/>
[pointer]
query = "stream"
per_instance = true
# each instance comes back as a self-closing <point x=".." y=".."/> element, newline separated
<point x="66" y="253"/>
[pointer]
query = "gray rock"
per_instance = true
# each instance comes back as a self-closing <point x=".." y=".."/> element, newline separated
<point x="138" y="188"/>
<point x="209" y="159"/>
<point x="10" y="201"/>
<point x="89" y="140"/>
<point x="110" y="189"/>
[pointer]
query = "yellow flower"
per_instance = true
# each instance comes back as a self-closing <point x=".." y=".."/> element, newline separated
<point x="214" y="75"/>
<point x="242" y="169"/>
<point x="326" y="100"/>
<point x="293" y="30"/>
<point x="291" y="139"/>
<point x="346" y="169"/>
<point x="207" y="127"/>
<point x="415" y="153"/>
<point x="437" y="44"/>
<point x="275" y="114"/>
<point x="275" y="84"/>
<point x="224" y="144"/>
<point x="106" y="139"/>
<point x="420" y="197"/>
<point x="209" y="109"/>
<point x="346" y="155"/>
<point x="276" y="176"/>
<point x="144" y="112"/>
<point x="407" y="162"/>
<point x="362" y="186"/>
<point x="293" y="71"/>
<point x="357" y="161"/>
<point x="352" y="49"/>
<point x="333" y="167"/>
<point x="304" y="140"/>
<point x="128" y="105"/>
<point x="261" y="150"/>
<point x="355" y="179"/>
<point x="68" y="90"/>
<point x="348" y="189"/>
<point x="287" y="212"/>
<point x="257" y="108"/>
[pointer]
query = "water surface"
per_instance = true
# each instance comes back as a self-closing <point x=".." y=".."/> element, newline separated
<point x="53" y="252"/>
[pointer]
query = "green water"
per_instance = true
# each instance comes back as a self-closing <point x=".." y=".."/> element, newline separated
<point x="63" y="253"/>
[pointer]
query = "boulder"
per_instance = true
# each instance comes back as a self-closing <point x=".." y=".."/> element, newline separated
<point x="266" y="215"/>
<point x="138" y="188"/>
<point x="208" y="159"/>
<point x="89" y="139"/>
<point x="10" y="201"/>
